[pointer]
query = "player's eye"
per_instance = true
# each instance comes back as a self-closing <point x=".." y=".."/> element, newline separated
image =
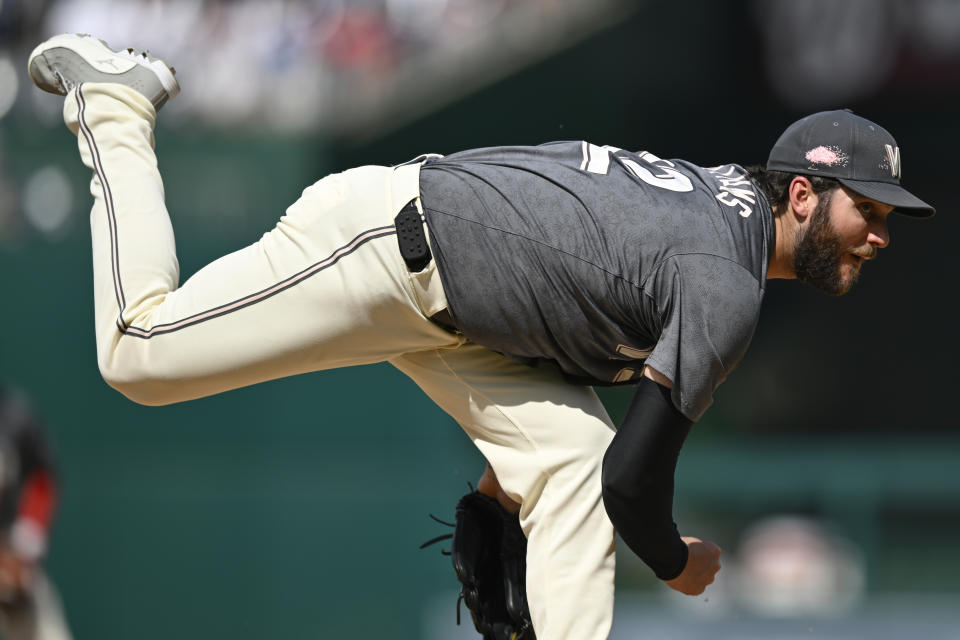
<point x="866" y="208"/>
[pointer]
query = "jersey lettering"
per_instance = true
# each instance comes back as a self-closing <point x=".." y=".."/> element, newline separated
<point x="659" y="173"/>
<point x="595" y="159"/>
<point x="736" y="190"/>
<point x="644" y="165"/>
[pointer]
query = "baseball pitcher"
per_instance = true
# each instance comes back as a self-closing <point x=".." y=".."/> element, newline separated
<point x="506" y="282"/>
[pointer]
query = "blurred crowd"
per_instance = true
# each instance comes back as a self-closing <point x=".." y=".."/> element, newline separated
<point x="297" y="65"/>
<point x="359" y="67"/>
<point x="337" y="68"/>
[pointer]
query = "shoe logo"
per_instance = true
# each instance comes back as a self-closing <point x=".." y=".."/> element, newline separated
<point x="108" y="61"/>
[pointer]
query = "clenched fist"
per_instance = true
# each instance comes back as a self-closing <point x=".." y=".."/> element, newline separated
<point x="703" y="563"/>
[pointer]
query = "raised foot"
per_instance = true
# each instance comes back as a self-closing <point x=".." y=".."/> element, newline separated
<point x="64" y="61"/>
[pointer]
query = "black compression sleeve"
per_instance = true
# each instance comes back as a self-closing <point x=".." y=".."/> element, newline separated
<point x="638" y="470"/>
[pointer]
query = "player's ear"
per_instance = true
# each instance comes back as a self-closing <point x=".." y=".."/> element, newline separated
<point x="802" y="199"/>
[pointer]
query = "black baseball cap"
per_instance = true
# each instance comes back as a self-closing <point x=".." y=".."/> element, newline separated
<point x="861" y="154"/>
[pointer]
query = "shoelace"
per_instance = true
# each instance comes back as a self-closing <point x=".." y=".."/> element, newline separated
<point x="145" y="55"/>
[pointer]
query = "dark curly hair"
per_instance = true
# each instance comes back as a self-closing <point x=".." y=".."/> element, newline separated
<point x="776" y="184"/>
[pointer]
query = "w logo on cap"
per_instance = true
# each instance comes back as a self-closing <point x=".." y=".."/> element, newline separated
<point x="893" y="157"/>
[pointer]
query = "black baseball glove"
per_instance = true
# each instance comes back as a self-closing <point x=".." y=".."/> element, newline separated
<point x="489" y="554"/>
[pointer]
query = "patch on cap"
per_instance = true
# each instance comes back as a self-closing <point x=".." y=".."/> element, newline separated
<point x="828" y="156"/>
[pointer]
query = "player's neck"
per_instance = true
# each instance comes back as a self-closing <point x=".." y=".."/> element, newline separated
<point x="781" y="262"/>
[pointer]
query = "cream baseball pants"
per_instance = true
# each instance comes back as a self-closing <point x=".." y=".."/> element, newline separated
<point x="327" y="288"/>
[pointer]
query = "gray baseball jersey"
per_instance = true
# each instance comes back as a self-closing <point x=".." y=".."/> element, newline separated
<point x="602" y="260"/>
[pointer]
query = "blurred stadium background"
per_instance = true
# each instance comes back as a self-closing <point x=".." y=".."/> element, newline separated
<point x="827" y="467"/>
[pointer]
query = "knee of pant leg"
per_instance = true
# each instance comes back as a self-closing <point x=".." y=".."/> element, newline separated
<point x="137" y="391"/>
<point x="573" y="462"/>
<point x="136" y="385"/>
<point x="571" y="479"/>
<point x="585" y="456"/>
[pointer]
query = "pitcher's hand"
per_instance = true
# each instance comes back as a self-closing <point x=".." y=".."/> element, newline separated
<point x="703" y="563"/>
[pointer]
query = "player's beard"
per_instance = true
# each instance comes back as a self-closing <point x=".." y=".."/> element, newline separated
<point x="819" y="253"/>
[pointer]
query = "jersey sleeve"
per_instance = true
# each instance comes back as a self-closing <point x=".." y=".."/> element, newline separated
<point x="708" y="307"/>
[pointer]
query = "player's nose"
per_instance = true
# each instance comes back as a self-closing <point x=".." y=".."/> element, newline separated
<point x="879" y="234"/>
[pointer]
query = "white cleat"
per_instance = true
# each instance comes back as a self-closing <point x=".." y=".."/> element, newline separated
<point x="62" y="62"/>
